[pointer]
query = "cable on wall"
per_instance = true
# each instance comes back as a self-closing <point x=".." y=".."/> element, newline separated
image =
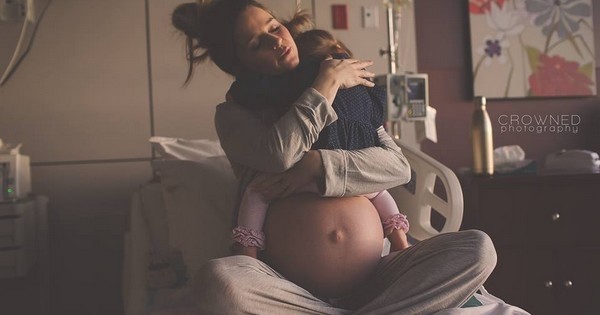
<point x="149" y="66"/>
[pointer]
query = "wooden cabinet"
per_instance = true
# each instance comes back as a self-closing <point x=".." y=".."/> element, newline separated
<point x="546" y="229"/>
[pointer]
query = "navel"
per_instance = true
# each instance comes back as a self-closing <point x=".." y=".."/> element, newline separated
<point x="337" y="235"/>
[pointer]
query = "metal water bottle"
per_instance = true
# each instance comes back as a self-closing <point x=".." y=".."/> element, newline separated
<point x="481" y="139"/>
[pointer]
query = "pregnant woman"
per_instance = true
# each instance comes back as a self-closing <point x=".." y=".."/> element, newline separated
<point x="323" y="255"/>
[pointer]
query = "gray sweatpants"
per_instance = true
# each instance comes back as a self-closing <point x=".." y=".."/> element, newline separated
<point x="438" y="273"/>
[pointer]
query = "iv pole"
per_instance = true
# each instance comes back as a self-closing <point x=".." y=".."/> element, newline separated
<point x="391" y="52"/>
<point x="407" y="113"/>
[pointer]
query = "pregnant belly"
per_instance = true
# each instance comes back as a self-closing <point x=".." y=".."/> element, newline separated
<point x="329" y="246"/>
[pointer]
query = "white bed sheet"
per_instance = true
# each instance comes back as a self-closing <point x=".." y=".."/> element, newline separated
<point x="147" y="239"/>
<point x="135" y="261"/>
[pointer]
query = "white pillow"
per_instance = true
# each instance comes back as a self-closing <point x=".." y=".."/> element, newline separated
<point x="199" y="199"/>
<point x="185" y="149"/>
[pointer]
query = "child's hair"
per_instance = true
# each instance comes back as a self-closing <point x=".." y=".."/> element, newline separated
<point x="300" y="22"/>
<point x="319" y="44"/>
<point x="313" y="43"/>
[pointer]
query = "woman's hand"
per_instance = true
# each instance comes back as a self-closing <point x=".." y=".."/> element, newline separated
<point x="304" y="173"/>
<point x="337" y="74"/>
<point x="348" y="72"/>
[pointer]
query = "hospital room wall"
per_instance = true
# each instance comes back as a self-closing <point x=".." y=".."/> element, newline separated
<point x="84" y="104"/>
<point x="366" y="42"/>
<point x="79" y="104"/>
<point x="443" y="47"/>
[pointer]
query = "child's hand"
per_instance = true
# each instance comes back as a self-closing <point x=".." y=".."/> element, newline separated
<point x="398" y="240"/>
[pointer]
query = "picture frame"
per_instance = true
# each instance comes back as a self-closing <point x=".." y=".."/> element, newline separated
<point x="532" y="48"/>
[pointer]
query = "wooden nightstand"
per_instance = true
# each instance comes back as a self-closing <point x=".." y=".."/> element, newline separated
<point x="546" y="229"/>
<point x="24" y="264"/>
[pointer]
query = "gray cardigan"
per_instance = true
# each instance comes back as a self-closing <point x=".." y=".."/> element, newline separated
<point x="254" y="143"/>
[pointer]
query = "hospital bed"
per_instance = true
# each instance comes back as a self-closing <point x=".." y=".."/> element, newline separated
<point x="169" y="238"/>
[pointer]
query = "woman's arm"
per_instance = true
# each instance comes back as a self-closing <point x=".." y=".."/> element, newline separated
<point x="350" y="173"/>
<point x="342" y="173"/>
<point x="274" y="148"/>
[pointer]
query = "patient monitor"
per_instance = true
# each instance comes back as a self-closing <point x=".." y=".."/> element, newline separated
<point x="407" y="113"/>
<point x="407" y="96"/>
<point x="15" y="174"/>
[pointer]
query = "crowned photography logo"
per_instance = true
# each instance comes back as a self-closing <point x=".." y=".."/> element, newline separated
<point x="559" y="123"/>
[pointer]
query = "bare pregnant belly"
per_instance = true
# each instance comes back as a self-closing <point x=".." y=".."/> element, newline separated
<point x="329" y="246"/>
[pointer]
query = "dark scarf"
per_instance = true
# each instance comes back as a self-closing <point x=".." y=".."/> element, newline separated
<point x="274" y="93"/>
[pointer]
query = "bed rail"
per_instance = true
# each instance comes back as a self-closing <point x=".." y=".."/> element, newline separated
<point x="417" y="199"/>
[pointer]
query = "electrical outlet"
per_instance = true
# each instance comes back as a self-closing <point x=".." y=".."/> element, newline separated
<point x="370" y="16"/>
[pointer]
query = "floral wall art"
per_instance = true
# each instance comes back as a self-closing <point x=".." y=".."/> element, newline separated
<point x="532" y="48"/>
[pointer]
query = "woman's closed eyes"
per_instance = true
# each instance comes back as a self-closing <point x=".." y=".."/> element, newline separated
<point x="265" y="45"/>
<point x="256" y="45"/>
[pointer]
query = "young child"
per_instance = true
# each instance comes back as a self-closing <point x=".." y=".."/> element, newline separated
<point x="360" y="114"/>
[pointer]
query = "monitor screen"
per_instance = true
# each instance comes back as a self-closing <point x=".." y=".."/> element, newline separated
<point x="416" y="89"/>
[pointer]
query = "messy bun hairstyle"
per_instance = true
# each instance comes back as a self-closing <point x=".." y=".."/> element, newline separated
<point x="209" y="30"/>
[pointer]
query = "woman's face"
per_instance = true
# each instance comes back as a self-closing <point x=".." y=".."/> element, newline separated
<point x="263" y="45"/>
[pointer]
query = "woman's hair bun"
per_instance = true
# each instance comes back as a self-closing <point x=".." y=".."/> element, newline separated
<point x="186" y="18"/>
<point x="209" y="27"/>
